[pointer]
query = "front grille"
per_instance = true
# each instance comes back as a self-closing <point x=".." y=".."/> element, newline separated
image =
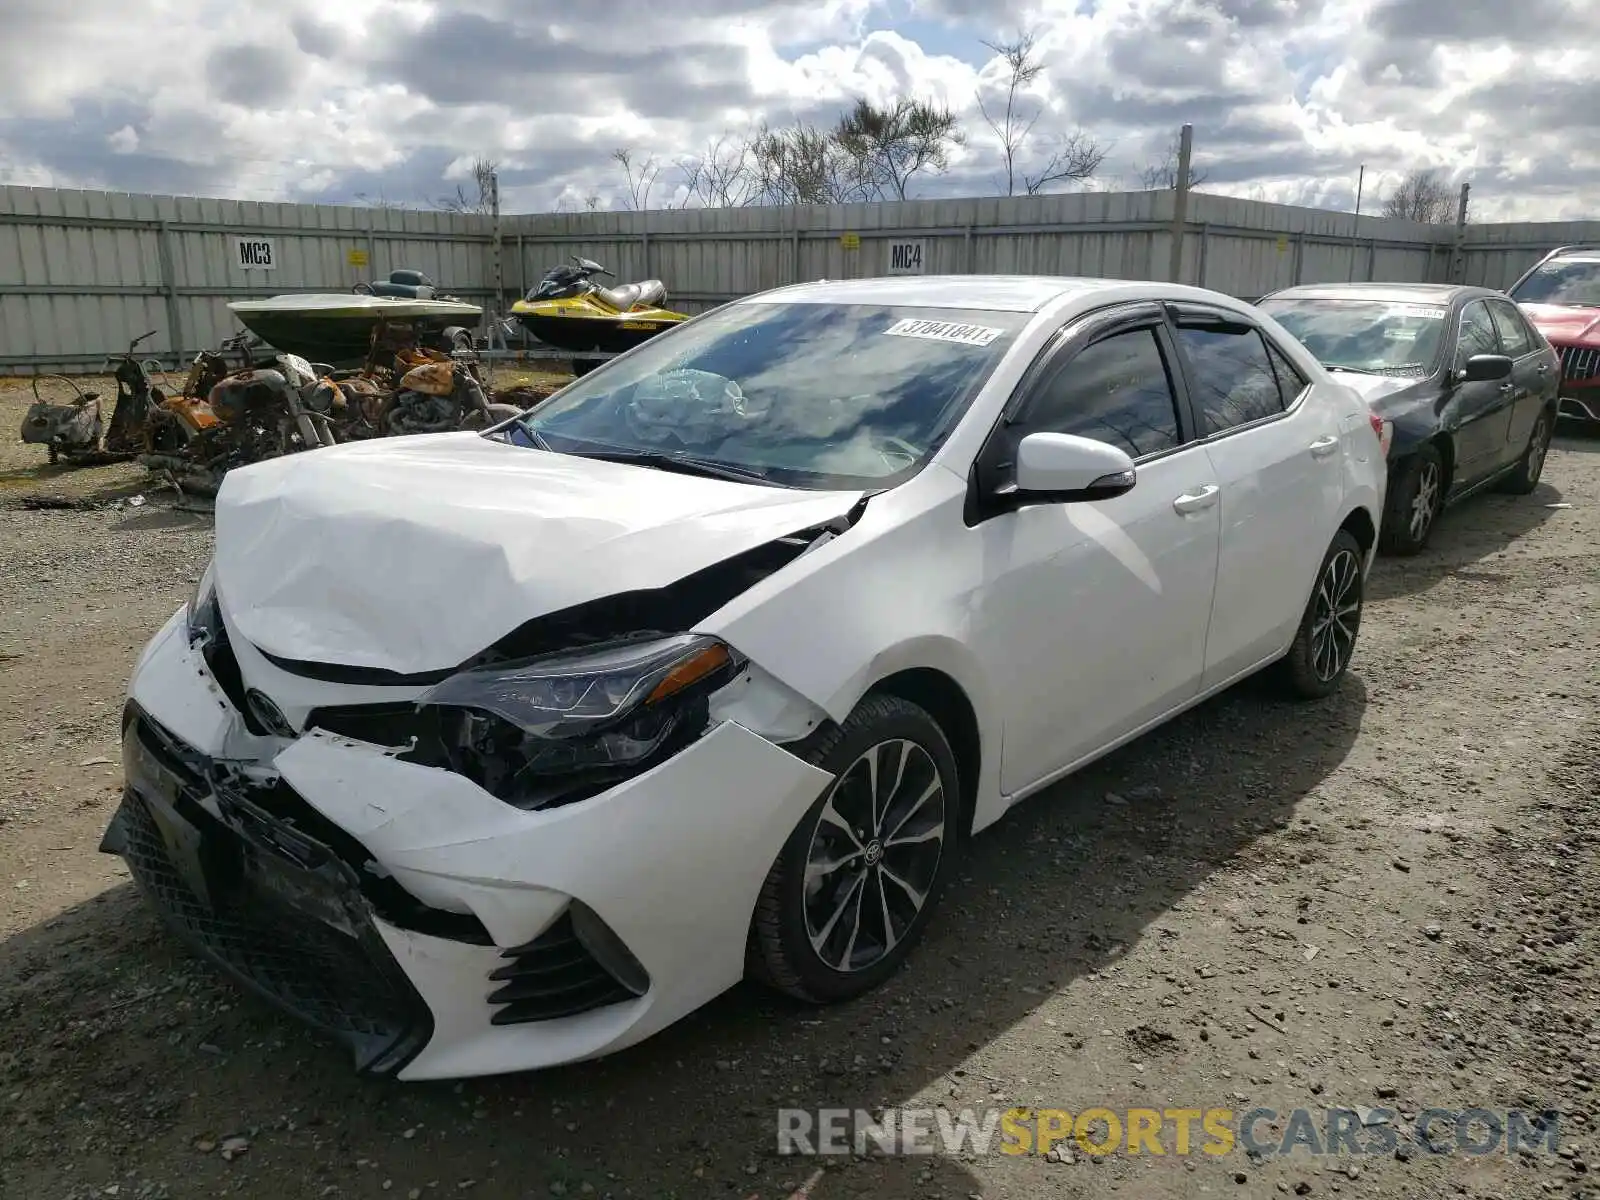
<point x="348" y="987"/>
<point x="550" y="977"/>
<point x="1579" y="364"/>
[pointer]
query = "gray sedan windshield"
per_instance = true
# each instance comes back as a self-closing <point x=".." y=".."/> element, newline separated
<point x="803" y="395"/>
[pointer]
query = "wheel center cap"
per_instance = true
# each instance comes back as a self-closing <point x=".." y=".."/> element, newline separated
<point x="874" y="852"/>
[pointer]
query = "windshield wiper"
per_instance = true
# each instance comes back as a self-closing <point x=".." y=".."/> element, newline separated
<point x="684" y="464"/>
<point x="1351" y="370"/>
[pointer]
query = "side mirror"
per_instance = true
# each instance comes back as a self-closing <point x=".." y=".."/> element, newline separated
<point x="1484" y="368"/>
<point x="1062" y="467"/>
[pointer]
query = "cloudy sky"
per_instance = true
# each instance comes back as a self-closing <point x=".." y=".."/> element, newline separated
<point x="327" y="100"/>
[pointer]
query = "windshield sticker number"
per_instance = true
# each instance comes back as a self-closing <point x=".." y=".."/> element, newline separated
<point x="1416" y="310"/>
<point x="1400" y="334"/>
<point x="944" y="331"/>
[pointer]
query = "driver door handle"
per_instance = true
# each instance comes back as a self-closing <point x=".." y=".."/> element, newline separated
<point x="1193" y="502"/>
<point x="1543" y="368"/>
<point x="1324" y="446"/>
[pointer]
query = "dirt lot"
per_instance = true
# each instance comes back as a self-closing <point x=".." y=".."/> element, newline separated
<point x="1383" y="900"/>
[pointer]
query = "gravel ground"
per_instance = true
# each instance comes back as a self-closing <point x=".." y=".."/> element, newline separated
<point x="1384" y="899"/>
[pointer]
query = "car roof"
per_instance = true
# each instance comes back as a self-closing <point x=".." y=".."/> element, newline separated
<point x="992" y="293"/>
<point x="1386" y="293"/>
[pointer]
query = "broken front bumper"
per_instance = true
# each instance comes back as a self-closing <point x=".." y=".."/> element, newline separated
<point x="436" y="930"/>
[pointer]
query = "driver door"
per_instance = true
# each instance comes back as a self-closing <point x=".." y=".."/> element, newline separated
<point x="1478" y="413"/>
<point x="1093" y="615"/>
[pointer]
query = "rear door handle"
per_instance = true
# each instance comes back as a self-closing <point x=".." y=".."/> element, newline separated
<point x="1544" y="368"/>
<point x="1324" y="446"/>
<point x="1193" y="502"/>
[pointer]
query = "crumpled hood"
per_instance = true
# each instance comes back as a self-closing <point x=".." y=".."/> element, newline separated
<point x="1564" y="326"/>
<point x="414" y="554"/>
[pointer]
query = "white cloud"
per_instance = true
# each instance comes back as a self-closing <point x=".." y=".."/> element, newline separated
<point x="1289" y="98"/>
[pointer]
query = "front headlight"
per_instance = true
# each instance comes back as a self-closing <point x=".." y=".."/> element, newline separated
<point x="550" y="729"/>
<point x="570" y="694"/>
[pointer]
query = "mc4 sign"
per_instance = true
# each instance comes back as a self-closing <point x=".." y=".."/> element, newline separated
<point x="907" y="258"/>
<point x="254" y="253"/>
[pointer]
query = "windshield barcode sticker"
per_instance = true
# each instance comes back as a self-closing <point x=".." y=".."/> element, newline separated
<point x="1416" y="310"/>
<point x="944" y="331"/>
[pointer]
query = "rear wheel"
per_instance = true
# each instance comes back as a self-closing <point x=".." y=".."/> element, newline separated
<point x="853" y="887"/>
<point x="1326" y="641"/>
<point x="1416" y="494"/>
<point x="1525" y="477"/>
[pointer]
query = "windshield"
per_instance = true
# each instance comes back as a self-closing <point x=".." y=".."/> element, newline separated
<point x="822" y="396"/>
<point x="1570" y="281"/>
<point x="1375" y="336"/>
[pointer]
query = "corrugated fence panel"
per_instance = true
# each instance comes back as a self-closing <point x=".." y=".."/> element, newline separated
<point x="83" y="272"/>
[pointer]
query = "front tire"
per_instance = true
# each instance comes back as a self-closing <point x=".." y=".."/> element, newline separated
<point x="1326" y="640"/>
<point x="852" y="890"/>
<point x="1525" y="477"/>
<point x="1416" y="495"/>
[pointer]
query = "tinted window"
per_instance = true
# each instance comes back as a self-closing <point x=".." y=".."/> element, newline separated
<point x="804" y="395"/>
<point x="1117" y="390"/>
<point x="1234" y="382"/>
<point x="1290" y="382"/>
<point x="1514" y="337"/>
<point x="1375" y="336"/>
<point x="1477" y="333"/>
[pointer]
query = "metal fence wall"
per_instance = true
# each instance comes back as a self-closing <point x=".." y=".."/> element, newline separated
<point x="81" y="273"/>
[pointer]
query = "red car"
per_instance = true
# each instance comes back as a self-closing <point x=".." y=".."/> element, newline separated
<point x="1561" y="296"/>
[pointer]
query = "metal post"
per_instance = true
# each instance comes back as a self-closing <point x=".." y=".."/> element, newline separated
<point x="1299" y="255"/>
<point x="967" y="251"/>
<point x="644" y="241"/>
<point x="1180" y="201"/>
<point x="1355" y="232"/>
<point x="494" y="214"/>
<point x="1205" y="238"/>
<point x="1458" y="254"/>
<point x="1372" y="260"/>
<point x="522" y="267"/>
<point x="372" y="246"/>
<point x="169" y="287"/>
<point x="794" y="243"/>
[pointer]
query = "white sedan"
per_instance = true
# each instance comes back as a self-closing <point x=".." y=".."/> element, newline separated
<point x="491" y="751"/>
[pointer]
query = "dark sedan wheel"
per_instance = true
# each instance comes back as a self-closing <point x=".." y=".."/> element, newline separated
<point x="856" y="881"/>
<point x="1416" y="495"/>
<point x="1326" y="641"/>
<point x="1526" y="476"/>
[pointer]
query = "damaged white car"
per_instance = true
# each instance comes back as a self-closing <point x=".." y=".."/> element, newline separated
<point x="491" y="751"/>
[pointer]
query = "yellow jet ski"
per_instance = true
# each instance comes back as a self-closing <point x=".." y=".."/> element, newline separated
<point x="570" y="311"/>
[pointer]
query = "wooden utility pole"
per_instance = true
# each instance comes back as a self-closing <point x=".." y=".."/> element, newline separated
<point x="1180" y="202"/>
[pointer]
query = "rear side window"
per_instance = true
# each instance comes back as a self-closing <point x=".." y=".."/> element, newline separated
<point x="1515" y="338"/>
<point x="1117" y="390"/>
<point x="1290" y="382"/>
<point x="1234" y="380"/>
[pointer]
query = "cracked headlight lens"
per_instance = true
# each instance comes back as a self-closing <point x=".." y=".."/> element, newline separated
<point x="573" y="694"/>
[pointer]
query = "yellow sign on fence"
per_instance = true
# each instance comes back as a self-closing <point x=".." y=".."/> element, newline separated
<point x="850" y="241"/>
<point x="356" y="258"/>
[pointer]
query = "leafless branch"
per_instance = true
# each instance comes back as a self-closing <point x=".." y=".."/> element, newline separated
<point x="480" y="197"/>
<point x="1163" y="175"/>
<point x="1076" y="156"/>
<point x="641" y="176"/>
<point x="1422" y="196"/>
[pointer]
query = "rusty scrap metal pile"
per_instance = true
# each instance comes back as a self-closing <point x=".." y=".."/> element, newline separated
<point x="229" y="414"/>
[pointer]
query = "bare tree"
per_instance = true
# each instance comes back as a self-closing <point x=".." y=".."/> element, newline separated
<point x="804" y="165"/>
<point x="480" y="197"/>
<point x="1076" y="156"/>
<point x="1015" y="121"/>
<point x="722" y="177"/>
<point x="1422" y="196"/>
<point x="889" y="145"/>
<point x="1163" y="175"/>
<point x="641" y="175"/>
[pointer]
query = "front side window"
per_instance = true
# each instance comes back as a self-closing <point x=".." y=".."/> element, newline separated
<point x="1515" y="339"/>
<point x="1570" y="281"/>
<point x="1478" y="335"/>
<point x="1375" y="337"/>
<point x="1117" y="390"/>
<point x="818" y="396"/>
<point x="1234" y="382"/>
